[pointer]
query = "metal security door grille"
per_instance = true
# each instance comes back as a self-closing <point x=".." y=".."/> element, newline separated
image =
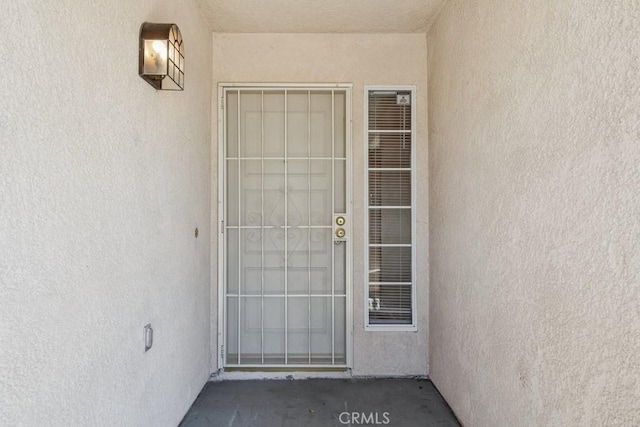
<point x="285" y="190"/>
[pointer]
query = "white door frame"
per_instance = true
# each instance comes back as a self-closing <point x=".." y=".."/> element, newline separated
<point x="222" y="87"/>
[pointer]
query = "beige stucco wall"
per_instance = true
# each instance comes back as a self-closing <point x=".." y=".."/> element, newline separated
<point x="358" y="59"/>
<point x="102" y="183"/>
<point x="534" y="129"/>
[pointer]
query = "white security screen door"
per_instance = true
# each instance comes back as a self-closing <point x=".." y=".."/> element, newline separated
<point x="286" y="226"/>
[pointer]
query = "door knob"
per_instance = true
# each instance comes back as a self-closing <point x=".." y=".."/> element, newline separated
<point x="340" y="233"/>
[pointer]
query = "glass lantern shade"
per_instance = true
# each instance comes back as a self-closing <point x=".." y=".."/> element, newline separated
<point x="161" y="61"/>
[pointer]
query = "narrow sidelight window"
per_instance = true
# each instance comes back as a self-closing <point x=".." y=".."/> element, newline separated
<point x="390" y="256"/>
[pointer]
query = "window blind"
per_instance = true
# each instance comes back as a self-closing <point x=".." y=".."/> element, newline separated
<point x="390" y="287"/>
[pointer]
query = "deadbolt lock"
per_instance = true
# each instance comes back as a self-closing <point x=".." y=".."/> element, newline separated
<point x="340" y="220"/>
<point x="340" y="233"/>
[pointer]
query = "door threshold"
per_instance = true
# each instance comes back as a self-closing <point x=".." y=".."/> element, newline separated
<point x="231" y="374"/>
<point x="286" y="369"/>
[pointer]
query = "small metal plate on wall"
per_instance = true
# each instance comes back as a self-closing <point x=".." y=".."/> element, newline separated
<point x="148" y="337"/>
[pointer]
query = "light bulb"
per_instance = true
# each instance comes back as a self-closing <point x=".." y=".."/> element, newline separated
<point x="160" y="48"/>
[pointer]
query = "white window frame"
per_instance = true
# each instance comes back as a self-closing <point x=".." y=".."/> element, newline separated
<point x="414" y="167"/>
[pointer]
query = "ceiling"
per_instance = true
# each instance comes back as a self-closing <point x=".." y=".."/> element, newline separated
<point x="320" y="16"/>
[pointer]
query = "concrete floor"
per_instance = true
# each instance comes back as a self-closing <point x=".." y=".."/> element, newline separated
<point x="320" y="402"/>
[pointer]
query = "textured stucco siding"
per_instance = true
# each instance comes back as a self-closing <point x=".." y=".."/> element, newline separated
<point x="102" y="183"/>
<point x="326" y="16"/>
<point x="359" y="59"/>
<point x="534" y="131"/>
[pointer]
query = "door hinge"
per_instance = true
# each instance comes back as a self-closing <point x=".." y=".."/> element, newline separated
<point x="222" y="226"/>
<point x="222" y="352"/>
<point x="222" y="103"/>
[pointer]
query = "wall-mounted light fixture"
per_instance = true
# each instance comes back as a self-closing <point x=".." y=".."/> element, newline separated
<point x="161" y="61"/>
